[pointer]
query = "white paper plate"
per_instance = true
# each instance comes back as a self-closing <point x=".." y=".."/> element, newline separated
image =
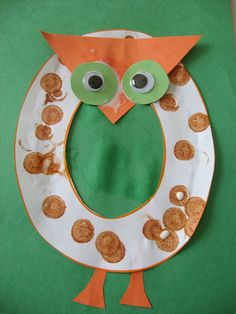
<point x="141" y="253"/>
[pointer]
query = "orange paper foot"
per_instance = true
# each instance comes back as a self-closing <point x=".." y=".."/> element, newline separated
<point x="135" y="294"/>
<point x="93" y="295"/>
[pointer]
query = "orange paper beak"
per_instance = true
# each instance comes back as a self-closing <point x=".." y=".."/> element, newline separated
<point x="117" y="108"/>
<point x="120" y="54"/>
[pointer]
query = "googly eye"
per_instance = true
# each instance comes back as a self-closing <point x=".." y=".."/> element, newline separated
<point x="142" y="82"/>
<point x="93" y="81"/>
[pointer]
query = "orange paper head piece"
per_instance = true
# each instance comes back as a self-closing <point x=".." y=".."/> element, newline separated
<point x="117" y="73"/>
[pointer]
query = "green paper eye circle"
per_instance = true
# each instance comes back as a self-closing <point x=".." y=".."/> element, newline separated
<point x="94" y="96"/>
<point x="152" y="91"/>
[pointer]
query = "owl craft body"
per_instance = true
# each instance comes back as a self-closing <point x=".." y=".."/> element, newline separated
<point x="115" y="71"/>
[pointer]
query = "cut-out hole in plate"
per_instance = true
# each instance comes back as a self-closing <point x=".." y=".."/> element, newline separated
<point x="115" y="168"/>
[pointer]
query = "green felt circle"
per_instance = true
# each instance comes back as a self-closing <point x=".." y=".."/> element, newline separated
<point x="100" y="97"/>
<point x="160" y="86"/>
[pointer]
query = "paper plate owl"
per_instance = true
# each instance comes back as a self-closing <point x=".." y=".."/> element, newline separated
<point x="115" y="71"/>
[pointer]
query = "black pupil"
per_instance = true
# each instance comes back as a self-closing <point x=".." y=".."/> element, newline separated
<point x="139" y="81"/>
<point x="95" y="82"/>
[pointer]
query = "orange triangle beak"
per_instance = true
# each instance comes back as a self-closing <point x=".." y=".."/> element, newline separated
<point x="73" y="50"/>
<point x="121" y="106"/>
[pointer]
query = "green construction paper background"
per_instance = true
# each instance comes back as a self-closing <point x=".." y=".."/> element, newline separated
<point x="34" y="278"/>
<point x="115" y="168"/>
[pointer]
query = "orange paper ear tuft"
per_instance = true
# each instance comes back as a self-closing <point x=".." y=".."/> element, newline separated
<point x="73" y="49"/>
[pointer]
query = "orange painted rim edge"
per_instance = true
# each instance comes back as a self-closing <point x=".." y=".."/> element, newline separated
<point x="89" y="266"/>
